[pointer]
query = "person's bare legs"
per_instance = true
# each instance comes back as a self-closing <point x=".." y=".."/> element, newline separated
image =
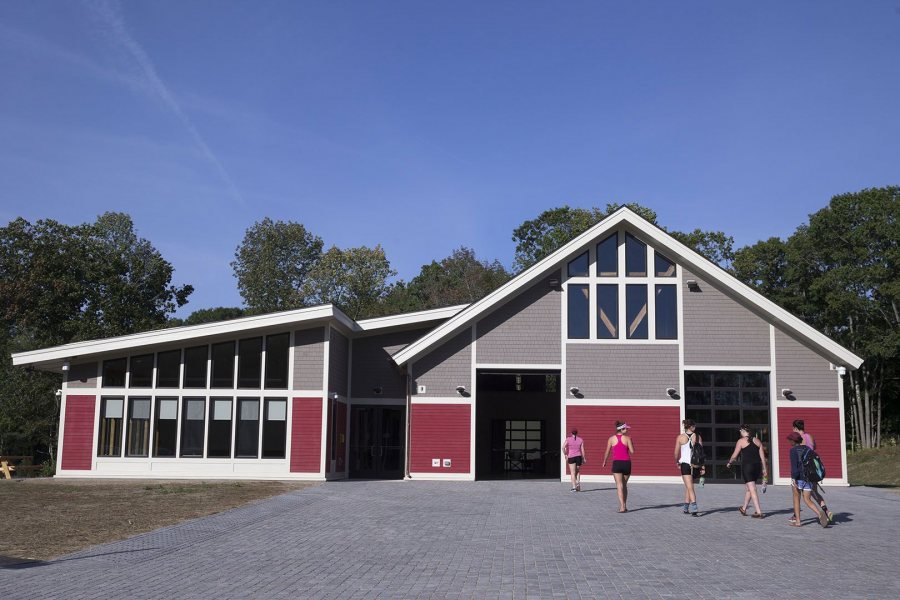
<point x="620" y="490"/>
<point x="796" y="500"/>
<point x="746" y="497"/>
<point x="578" y="478"/>
<point x="625" y="479"/>
<point x="689" y="495"/>
<point x="807" y="497"/>
<point x="572" y="471"/>
<point x="754" y="495"/>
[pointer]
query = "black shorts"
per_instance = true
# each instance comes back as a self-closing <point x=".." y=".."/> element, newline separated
<point x="622" y="466"/>
<point x="576" y="460"/>
<point x="687" y="469"/>
<point x="751" y="472"/>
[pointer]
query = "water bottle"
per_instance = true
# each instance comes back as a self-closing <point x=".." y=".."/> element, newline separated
<point x="765" y="484"/>
<point x="702" y="480"/>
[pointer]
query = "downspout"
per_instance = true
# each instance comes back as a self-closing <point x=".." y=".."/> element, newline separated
<point x="408" y="420"/>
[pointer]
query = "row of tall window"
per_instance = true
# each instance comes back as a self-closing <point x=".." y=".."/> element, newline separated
<point x="606" y="283"/>
<point x="224" y="365"/>
<point x="187" y="427"/>
<point x="636" y="311"/>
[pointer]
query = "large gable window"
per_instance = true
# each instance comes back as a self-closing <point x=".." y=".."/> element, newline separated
<point x="630" y="301"/>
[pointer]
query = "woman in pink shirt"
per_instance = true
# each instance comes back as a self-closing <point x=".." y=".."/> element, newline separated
<point x="622" y="451"/>
<point x="573" y="449"/>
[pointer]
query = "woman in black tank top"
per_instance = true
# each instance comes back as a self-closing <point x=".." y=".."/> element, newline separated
<point x="753" y="466"/>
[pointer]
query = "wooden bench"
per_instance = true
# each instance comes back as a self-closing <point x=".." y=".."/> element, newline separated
<point x="17" y="464"/>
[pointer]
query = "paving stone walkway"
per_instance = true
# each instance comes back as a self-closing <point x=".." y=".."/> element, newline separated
<point x="510" y="539"/>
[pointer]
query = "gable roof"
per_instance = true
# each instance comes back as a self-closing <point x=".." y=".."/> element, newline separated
<point x="674" y="250"/>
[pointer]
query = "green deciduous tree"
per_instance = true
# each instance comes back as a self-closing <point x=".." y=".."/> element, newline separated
<point x="841" y="273"/>
<point x="354" y="279"/>
<point x="272" y="264"/>
<point x="59" y="284"/>
<point x="208" y="315"/>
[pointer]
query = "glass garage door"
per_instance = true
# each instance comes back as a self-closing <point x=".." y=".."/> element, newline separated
<point x="719" y="402"/>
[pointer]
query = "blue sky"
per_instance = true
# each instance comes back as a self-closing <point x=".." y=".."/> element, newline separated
<point x="423" y="126"/>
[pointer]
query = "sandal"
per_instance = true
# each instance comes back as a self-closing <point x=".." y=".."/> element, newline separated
<point x="742" y="510"/>
<point x="758" y="515"/>
<point x="794" y="524"/>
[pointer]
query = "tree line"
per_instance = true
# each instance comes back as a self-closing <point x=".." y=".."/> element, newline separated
<point x="61" y="284"/>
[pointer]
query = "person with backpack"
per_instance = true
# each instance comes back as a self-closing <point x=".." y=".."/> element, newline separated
<point x="573" y="450"/>
<point x="690" y="459"/>
<point x="753" y="466"/>
<point x="804" y="478"/>
<point x="622" y="449"/>
<point x="811" y="443"/>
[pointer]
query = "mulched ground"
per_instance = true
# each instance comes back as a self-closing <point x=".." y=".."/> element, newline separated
<point x="45" y="518"/>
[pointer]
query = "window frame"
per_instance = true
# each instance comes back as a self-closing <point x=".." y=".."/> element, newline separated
<point x="622" y="279"/>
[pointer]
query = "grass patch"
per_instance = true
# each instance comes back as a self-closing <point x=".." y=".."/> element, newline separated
<point x="875" y="466"/>
<point x="50" y="517"/>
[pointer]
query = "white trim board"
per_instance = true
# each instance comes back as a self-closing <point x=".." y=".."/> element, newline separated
<point x="613" y="403"/>
<point x="519" y="367"/>
<point x="442" y="400"/>
<point x="422" y="316"/>
<point x="440" y="477"/>
<point x="673" y="250"/>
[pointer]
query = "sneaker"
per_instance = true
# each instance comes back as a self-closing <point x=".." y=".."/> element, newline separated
<point x="684" y="509"/>
<point x="823" y="519"/>
<point x="578" y="488"/>
<point x="830" y="517"/>
<point x="694" y="508"/>
<point x="573" y="490"/>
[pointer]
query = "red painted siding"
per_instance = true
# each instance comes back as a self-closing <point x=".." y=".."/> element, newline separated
<point x="653" y="433"/>
<point x="824" y="424"/>
<point x="78" y="433"/>
<point x="306" y="435"/>
<point x="440" y="431"/>
<point x="328" y="436"/>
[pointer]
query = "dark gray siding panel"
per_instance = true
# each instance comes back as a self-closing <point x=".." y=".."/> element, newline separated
<point x="83" y="375"/>
<point x="622" y="371"/>
<point x="524" y="330"/>
<point x="338" y="359"/>
<point x="720" y="332"/>
<point x="373" y="367"/>
<point x="309" y="358"/>
<point x="802" y="371"/>
<point x="445" y="367"/>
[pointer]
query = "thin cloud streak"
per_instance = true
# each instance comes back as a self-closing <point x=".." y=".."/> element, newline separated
<point x="109" y="14"/>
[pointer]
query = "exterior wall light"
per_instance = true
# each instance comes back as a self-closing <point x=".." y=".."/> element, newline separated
<point x="787" y="393"/>
<point x="461" y="390"/>
<point x="693" y="285"/>
<point x="65" y="366"/>
<point x="672" y="392"/>
<point x="574" y="390"/>
<point x="377" y="390"/>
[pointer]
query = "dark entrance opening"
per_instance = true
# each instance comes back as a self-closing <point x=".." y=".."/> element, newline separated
<point x="517" y="425"/>
<point x="377" y="441"/>
<point x="719" y="402"/>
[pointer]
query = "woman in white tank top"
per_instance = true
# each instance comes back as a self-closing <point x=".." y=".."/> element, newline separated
<point x="684" y="444"/>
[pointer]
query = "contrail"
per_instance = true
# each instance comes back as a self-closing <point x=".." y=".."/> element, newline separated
<point x="109" y="13"/>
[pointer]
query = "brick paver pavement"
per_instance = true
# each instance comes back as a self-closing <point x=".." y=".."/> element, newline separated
<point x="509" y="539"/>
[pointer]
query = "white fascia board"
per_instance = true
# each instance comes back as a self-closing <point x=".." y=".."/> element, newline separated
<point x="510" y="288"/>
<point x="675" y="250"/>
<point x="401" y="320"/>
<point x="179" y="334"/>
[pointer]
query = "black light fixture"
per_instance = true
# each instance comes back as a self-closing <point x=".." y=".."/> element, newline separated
<point x="693" y="285"/>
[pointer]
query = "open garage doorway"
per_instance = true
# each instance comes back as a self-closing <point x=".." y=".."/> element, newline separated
<point x="517" y="421"/>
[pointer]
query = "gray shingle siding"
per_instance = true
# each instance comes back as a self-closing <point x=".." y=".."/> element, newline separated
<point x="445" y="367"/>
<point x="525" y="330"/>
<point x="801" y="370"/>
<point x="309" y="358"/>
<point x="718" y="331"/>
<point x="622" y="371"/>
<point x="372" y="365"/>
<point x="338" y="359"/>
<point x="83" y="375"/>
